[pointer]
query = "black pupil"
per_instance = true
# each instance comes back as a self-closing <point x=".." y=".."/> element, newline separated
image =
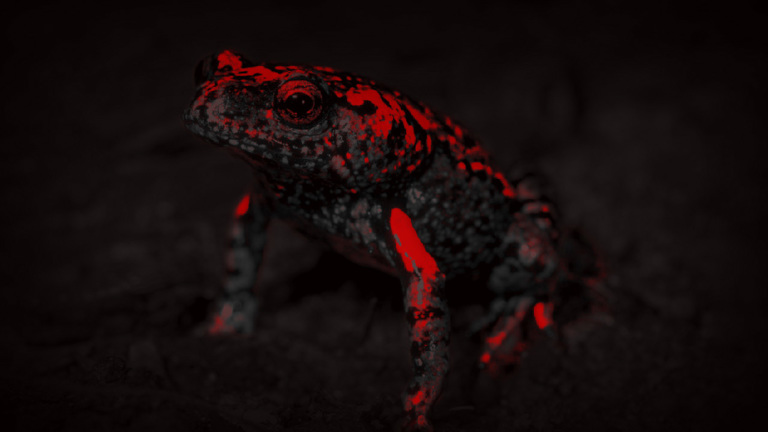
<point x="299" y="103"/>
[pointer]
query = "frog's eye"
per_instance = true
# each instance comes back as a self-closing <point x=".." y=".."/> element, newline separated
<point x="299" y="102"/>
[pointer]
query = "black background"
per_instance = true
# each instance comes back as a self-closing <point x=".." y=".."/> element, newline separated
<point x="649" y="120"/>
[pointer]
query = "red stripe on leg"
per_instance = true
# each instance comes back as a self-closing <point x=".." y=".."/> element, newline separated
<point x="542" y="312"/>
<point x="410" y="248"/>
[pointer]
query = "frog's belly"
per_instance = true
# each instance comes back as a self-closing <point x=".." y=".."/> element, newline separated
<point x="361" y="254"/>
<point x="368" y="255"/>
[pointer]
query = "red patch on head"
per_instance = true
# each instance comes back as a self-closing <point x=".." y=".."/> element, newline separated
<point x="228" y="58"/>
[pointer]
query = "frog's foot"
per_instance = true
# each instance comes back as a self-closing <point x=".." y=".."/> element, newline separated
<point x="504" y="346"/>
<point x="233" y="314"/>
<point x="417" y="424"/>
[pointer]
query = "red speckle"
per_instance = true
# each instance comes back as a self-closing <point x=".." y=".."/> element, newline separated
<point x="219" y="321"/>
<point x="218" y="325"/>
<point x="227" y="58"/>
<point x="418" y="397"/>
<point x="242" y="206"/>
<point x="543" y="314"/>
<point x="496" y="340"/>
<point x="461" y="166"/>
<point x="366" y="159"/>
<point x="508" y="191"/>
<point x="485" y="358"/>
<point x="349" y="155"/>
<point x="545" y="208"/>
<point x="477" y="166"/>
<point x="325" y="69"/>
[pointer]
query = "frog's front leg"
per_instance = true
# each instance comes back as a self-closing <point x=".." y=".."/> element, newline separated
<point x="236" y="308"/>
<point x="428" y="322"/>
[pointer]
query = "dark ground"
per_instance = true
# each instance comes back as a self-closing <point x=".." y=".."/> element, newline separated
<point x="650" y="122"/>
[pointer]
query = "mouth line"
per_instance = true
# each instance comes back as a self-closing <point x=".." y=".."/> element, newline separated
<point x="271" y="149"/>
<point x="257" y="151"/>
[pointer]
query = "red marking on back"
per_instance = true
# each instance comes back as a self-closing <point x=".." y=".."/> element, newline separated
<point x="325" y="69"/>
<point x="508" y="191"/>
<point x="381" y="122"/>
<point x="415" y="257"/>
<point x="242" y="206"/>
<point x="228" y="58"/>
<point x="421" y="119"/>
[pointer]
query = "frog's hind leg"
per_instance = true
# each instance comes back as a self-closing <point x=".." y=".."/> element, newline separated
<point x="524" y="283"/>
<point x="237" y="305"/>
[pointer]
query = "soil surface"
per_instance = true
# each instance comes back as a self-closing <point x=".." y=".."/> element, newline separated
<point x="649" y="122"/>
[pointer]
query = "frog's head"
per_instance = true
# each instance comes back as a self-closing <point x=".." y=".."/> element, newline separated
<point x="312" y="122"/>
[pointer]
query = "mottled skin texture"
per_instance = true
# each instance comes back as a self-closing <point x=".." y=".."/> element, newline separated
<point x="388" y="183"/>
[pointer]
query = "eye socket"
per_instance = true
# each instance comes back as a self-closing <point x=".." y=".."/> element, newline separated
<point x="299" y="102"/>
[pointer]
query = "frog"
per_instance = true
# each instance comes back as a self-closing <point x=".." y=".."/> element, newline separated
<point x="389" y="183"/>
